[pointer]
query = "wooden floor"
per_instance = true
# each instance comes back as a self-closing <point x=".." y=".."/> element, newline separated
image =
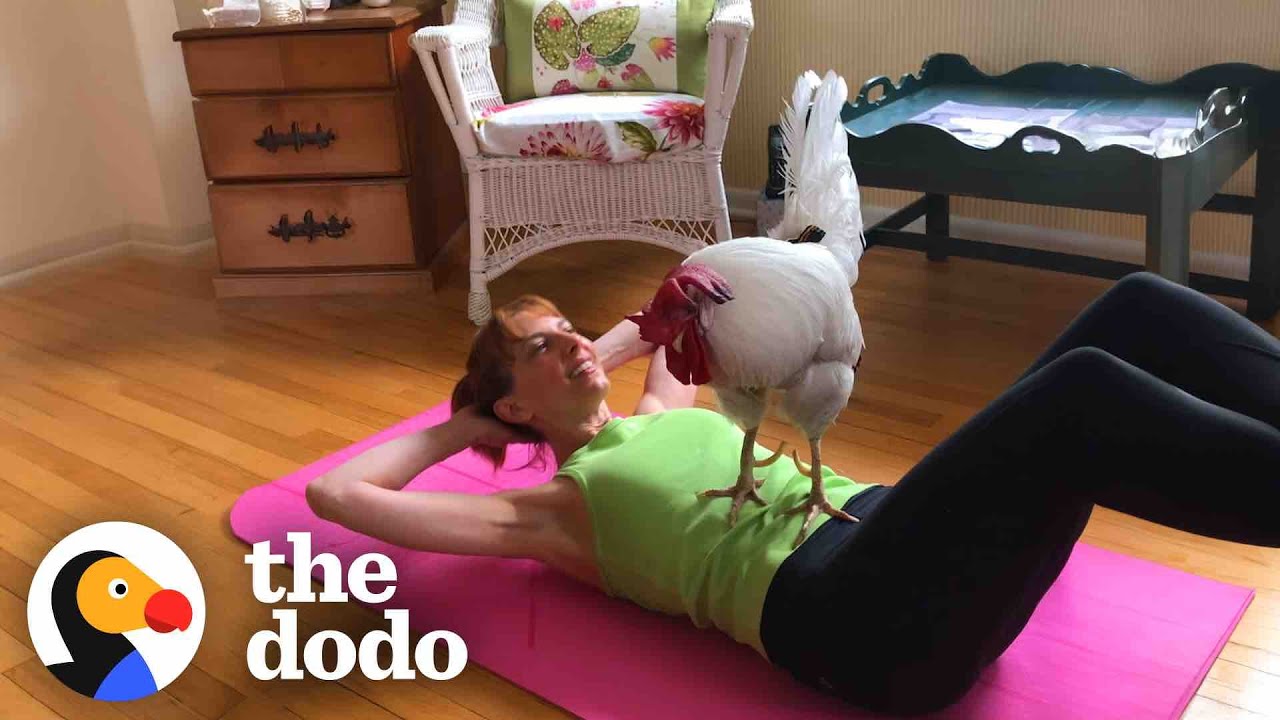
<point x="128" y="393"/>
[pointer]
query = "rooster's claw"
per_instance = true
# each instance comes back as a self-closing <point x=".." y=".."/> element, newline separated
<point x="811" y="508"/>
<point x="740" y="493"/>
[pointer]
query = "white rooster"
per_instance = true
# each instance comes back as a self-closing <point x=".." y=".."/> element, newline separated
<point x="754" y="314"/>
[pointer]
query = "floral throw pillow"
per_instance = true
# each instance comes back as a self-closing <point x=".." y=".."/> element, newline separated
<point x="555" y="47"/>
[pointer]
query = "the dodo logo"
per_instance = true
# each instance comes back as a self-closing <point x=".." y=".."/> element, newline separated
<point x="116" y="611"/>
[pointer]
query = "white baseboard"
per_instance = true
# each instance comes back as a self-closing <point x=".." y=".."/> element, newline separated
<point x="179" y="240"/>
<point x="742" y="207"/>
<point x="100" y="245"/>
<point x="167" y="249"/>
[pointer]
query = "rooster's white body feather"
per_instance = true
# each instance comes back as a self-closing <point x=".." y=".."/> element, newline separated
<point x="797" y="292"/>
<point x="791" y="325"/>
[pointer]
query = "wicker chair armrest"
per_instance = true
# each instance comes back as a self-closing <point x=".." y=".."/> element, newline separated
<point x="456" y="60"/>
<point x="437" y="38"/>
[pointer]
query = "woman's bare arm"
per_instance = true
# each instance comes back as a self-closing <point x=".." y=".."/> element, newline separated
<point x="662" y="391"/>
<point x="364" y="495"/>
<point x="511" y="523"/>
<point x="394" y="463"/>
<point x="621" y="345"/>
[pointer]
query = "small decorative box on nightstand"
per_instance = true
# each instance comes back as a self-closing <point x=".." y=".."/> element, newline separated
<point x="329" y="166"/>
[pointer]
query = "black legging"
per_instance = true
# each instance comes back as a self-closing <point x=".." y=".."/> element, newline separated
<point x="1157" y="401"/>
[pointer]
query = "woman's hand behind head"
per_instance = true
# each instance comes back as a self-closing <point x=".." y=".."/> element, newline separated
<point x="486" y="431"/>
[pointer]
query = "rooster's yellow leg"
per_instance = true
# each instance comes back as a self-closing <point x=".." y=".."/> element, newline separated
<point x="745" y="488"/>
<point x="817" y="501"/>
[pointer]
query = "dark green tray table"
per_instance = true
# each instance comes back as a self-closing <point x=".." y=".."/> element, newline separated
<point x="1233" y="109"/>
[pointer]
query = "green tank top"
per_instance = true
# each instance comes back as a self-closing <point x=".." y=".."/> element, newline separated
<point x="664" y="548"/>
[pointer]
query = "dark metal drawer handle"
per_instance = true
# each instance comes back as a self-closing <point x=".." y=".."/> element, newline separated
<point x="272" y="140"/>
<point x="309" y="228"/>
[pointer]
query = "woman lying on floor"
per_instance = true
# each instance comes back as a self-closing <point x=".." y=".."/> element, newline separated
<point x="1157" y="401"/>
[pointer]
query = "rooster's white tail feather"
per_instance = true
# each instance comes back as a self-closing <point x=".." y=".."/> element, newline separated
<point x="793" y="123"/>
<point x="821" y="187"/>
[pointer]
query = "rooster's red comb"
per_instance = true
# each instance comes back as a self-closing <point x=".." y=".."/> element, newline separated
<point x="662" y="318"/>
<point x="708" y="281"/>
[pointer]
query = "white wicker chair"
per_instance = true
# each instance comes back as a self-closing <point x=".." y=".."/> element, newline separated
<point x="522" y="206"/>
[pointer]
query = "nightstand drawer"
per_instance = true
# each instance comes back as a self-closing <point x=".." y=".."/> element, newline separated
<point x="332" y="135"/>
<point x="252" y="223"/>
<point x="312" y="61"/>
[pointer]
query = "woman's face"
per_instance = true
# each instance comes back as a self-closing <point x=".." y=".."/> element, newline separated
<point x="556" y="378"/>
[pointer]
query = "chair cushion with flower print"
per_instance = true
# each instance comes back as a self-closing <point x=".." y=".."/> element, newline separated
<point x="608" y="127"/>
<point x="557" y="47"/>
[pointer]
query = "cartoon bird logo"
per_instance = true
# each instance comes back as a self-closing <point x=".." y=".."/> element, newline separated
<point x="97" y="597"/>
<point x="116" y="624"/>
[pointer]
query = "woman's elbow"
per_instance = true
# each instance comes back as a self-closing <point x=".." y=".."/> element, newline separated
<point x="324" y="498"/>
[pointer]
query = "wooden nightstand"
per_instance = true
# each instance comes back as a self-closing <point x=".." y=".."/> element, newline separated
<point x="330" y="167"/>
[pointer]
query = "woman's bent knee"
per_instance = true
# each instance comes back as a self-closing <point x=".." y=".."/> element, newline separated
<point x="1085" y="361"/>
<point x="1142" y="283"/>
<point x="1083" y="375"/>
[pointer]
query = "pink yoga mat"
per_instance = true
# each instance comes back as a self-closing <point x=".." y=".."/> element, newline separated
<point x="1116" y="637"/>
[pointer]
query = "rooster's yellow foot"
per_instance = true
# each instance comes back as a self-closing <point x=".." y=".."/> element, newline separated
<point x="811" y="508"/>
<point x="744" y="490"/>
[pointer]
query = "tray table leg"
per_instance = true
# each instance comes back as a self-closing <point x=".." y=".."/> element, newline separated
<point x="1264" y="255"/>
<point x="1169" y="227"/>
<point x="937" y="221"/>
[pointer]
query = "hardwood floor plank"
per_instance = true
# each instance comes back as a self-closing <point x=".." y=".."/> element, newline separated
<point x="15" y="575"/>
<point x="1202" y="708"/>
<point x="203" y="694"/>
<point x="12" y="652"/>
<point x="409" y="699"/>
<point x="160" y="706"/>
<point x="149" y="429"/>
<point x="85" y="473"/>
<point x="260" y="709"/>
<point x="36" y="680"/>
<point x="157" y="474"/>
<point x="207" y="343"/>
<point x="1243" y="687"/>
<point x="120" y="357"/>
<point x="19" y="705"/>
<point x="24" y="541"/>
<point x="13" y="617"/>
<point x="312" y="699"/>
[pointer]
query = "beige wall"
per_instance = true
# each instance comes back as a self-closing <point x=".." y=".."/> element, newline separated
<point x="96" y="135"/>
<point x="52" y="185"/>
<point x="189" y="12"/>
<point x="171" y="124"/>
<point x="1155" y="39"/>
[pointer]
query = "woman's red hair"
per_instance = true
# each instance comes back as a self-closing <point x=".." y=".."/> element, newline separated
<point x="489" y="363"/>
